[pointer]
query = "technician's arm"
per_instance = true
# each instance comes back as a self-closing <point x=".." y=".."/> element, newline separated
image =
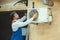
<point x="17" y="24"/>
<point x="22" y="19"/>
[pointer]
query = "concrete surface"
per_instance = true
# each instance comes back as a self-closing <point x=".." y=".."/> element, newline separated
<point x="46" y="31"/>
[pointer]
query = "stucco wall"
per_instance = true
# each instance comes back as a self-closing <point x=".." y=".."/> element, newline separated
<point x="46" y="31"/>
<point x="19" y="6"/>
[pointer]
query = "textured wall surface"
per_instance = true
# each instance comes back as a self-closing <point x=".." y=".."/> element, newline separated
<point x="46" y="31"/>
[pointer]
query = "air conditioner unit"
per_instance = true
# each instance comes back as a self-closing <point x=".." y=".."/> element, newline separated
<point x="43" y="15"/>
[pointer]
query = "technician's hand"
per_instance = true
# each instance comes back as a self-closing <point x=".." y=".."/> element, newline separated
<point x="35" y="15"/>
